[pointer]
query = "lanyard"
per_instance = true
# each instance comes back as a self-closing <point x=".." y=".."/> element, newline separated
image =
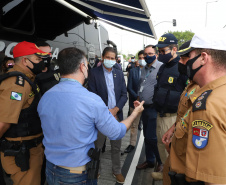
<point x="68" y="79"/>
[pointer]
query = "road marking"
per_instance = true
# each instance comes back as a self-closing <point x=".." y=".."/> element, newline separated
<point x="132" y="169"/>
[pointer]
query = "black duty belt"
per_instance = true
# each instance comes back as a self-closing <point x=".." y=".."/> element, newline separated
<point x="6" y="144"/>
<point x="148" y="106"/>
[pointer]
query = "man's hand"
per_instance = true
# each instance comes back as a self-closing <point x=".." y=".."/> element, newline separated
<point x="138" y="106"/>
<point x="114" y="111"/>
<point x="166" y="138"/>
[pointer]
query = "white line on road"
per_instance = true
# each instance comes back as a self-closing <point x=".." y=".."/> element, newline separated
<point x="132" y="168"/>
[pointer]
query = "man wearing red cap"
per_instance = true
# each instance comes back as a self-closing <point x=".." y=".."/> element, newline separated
<point x="20" y="126"/>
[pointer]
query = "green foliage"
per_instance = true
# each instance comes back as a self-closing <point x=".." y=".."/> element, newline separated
<point x="182" y="37"/>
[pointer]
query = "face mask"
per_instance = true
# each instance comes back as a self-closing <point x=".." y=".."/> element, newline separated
<point x="37" y="67"/>
<point x="119" y="61"/>
<point x="182" y="68"/>
<point x="142" y="62"/>
<point x="149" y="59"/>
<point x="109" y="63"/>
<point x="132" y="60"/>
<point x="165" y="58"/>
<point x="191" y="72"/>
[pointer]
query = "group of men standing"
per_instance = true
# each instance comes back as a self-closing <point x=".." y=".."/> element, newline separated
<point x="182" y="117"/>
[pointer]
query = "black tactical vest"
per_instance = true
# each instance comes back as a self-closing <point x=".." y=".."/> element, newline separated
<point x="169" y="87"/>
<point x="29" y="122"/>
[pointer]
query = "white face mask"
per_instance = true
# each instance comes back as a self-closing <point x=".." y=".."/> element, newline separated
<point x="132" y="60"/>
<point x="142" y="62"/>
<point x="109" y="63"/>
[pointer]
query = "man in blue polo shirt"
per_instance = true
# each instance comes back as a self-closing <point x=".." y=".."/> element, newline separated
<point x="71" y="117"/>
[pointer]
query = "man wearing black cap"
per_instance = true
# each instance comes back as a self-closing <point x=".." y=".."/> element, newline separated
<point x="20" y="127"/>
<point x="170" y="85"/>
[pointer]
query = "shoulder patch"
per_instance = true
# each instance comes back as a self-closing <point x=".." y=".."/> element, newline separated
<point x="19" y="81"/>
<point x="16" y="96"/>
<point x="200" y="133"/>
<point x="200" y="102"/>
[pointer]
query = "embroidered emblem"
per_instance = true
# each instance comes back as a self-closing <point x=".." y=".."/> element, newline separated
<point x="202" y="123"/>
<point x="200" y="102"/>
<point x="200" y="137"/>
<point x="201" y="97"/>
<point x="16" y="96"/>
<point x="184" y="124"/>
<point x="186" y="94"/>
<point x="170" y="80"/>
<point x="188" y="81"/>
<point x="20" y="81"/>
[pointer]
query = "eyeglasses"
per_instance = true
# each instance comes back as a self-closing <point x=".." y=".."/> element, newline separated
<point x="149" y="54"/>
<point x="163" y="51"/>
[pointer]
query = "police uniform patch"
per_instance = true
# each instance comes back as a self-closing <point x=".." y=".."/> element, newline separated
<point x="200" y="136"/>
<point x="200" y="102"/>
<point x="16" y="96"/>
<point x="201" y="97"/>
<point x="20" y="81"/>
<point x="170" y="80"/>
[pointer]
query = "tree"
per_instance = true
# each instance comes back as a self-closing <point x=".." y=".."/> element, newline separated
<point x="182" y="37"/>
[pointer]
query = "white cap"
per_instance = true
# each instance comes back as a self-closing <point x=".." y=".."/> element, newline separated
<point x="209" y="39"/>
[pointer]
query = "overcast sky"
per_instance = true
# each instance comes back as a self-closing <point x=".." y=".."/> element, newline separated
<point x="189" y="14"/>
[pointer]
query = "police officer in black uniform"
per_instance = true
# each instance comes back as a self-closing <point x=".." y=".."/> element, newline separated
<point x="170" y="85"/>
<point x="50" y="75"/>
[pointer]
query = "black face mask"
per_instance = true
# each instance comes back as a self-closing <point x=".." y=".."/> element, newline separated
<point x="191" y="72"/>
<point x="37" y="67"/>
<point x="182" y="68"/>
<point x="119" y="61"/>
<point x="149" y="59"/>
<point x="165" y="58"/>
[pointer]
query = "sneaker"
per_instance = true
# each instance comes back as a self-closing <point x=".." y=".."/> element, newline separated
<point x="119" y="178"/>
<point x="157" y="176"/>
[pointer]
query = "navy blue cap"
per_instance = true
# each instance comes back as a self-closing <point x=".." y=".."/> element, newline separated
<point x="166" y="40"/>
<point x="185" y="49"/>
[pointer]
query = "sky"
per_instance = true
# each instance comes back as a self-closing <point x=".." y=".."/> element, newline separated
<point x="191" y="15"/>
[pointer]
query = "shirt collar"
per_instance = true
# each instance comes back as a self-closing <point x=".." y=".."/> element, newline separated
<point x="152" y="66"/>
<point x="106" y="71"/>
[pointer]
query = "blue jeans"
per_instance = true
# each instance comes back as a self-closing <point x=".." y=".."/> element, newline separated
<point x="149" y="117"/>
<point x="56" y="175"/>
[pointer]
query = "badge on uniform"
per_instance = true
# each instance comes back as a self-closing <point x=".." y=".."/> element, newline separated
<point x="20" y="81"/>
<point x="200" y="102"/>
<point x="170" y="80"/>
<point x="200" y="133"/>
<point x="16" y="96"/>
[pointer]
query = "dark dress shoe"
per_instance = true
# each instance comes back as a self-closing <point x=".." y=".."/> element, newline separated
<point x="129" y="149"/>
<point x="145" y="165"/>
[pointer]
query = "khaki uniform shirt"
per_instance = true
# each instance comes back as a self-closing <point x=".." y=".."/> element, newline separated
<point x="14" y="98"/>
<point x="205" y="124"/>
<point x="179" y="140"/>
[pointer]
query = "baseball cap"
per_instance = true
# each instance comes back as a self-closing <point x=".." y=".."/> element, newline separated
<point x="27" y="48"/>
<point x="185" y="49"/>
<point x="132" y="57"/>
<point x="209" y="39"/>
<point x="166" y="40"/>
